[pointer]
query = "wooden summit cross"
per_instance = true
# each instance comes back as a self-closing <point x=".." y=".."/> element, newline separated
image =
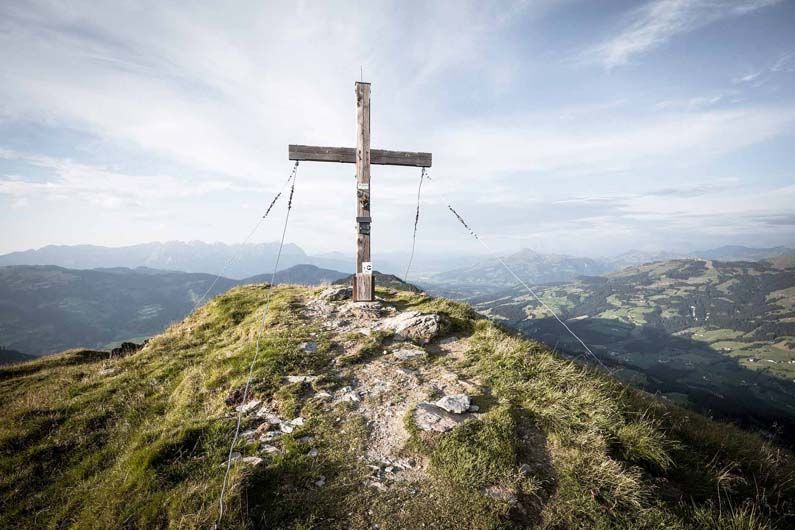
<point x="362" y="156"/>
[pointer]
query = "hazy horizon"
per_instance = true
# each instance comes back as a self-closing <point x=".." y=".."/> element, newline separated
<point x="343" y="254"/>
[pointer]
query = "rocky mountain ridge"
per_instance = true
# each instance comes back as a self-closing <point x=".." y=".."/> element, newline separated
<point x="408" y="412"/>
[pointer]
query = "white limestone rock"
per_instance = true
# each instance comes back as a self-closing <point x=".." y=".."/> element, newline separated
<point x="421" y="328"/>
<point x="429" y="417"/>
<point x="456" y="403"/>
<point x="248" y="407"/>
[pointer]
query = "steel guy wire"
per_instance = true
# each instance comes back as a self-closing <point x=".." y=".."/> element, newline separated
<point x="246" y="240"/>
<point x="516" y="276"/>
<point x="416" y="221"/>
<point x="260" y="331"/>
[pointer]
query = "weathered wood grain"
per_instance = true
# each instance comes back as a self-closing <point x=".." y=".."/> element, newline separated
<point x="362" y="285"/>
<point x="347" y="155"/>
<point x="383" y="157"/>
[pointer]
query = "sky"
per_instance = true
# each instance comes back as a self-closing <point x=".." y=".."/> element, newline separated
<point x="578" y="127"/>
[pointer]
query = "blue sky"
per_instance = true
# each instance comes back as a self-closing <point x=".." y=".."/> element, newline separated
<point x="582" y="127"/>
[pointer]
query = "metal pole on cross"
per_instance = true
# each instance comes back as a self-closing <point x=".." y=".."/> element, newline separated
<point x="363" y="157"/>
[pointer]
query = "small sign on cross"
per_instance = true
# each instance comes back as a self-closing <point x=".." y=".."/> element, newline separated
<point x="362" y="156"/>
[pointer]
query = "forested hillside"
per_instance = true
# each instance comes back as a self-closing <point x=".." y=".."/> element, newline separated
<point x="45" y="309"/>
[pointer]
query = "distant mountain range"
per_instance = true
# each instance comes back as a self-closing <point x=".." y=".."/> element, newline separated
<point x="725" y="253"/>
<point x="489" y="276"/>
<point x="740" y="253"/>
<point x="233" y="261"/>
<point x="44" y="309"/>
<point x="446" y="273"/>
<point x="82" y="297"/>
<point x="716" y="335"/>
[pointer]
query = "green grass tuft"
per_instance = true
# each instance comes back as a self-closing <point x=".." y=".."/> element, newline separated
<point x="642" y="441"/>
<point x="478" y="453"/>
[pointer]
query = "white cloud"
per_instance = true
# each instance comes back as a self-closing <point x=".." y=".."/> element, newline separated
<point x="747" y="78"/>
<point x="656" y="22"/>
<point x="785" y="63"/>
<point x="687" y="104"/>
<point x="602" y="143"/>
<point x="101" y="186"/>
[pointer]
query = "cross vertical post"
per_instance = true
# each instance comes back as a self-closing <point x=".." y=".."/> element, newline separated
<point x="363" y="285"/>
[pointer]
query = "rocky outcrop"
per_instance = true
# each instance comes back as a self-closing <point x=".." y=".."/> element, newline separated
<point x="336" y="293"/>
<point x="127" y="348"/>
<point x="421" y="328"/>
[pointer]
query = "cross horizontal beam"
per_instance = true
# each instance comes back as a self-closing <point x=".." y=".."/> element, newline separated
<point x="347" y="155"/>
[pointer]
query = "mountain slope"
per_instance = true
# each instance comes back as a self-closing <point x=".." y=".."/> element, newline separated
<point x="724" y="253"/>
<point x="741" y="253"/>
<point x="719" y="335"/>
<point x="301" y="274"/>
<point x="45" y="309"/>
<point x="140" y="441"/>
<point x="382" y="280"/>
<point x="490" y="276"/>
<point x="8" y="356"/>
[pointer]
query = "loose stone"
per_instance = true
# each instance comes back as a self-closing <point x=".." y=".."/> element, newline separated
<point x="429" y="417"/>
<point x="457" y="403"/>
<point x="248" y="407"/>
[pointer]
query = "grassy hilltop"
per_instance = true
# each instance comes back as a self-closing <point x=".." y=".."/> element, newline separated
<point x="141" y="441"/>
